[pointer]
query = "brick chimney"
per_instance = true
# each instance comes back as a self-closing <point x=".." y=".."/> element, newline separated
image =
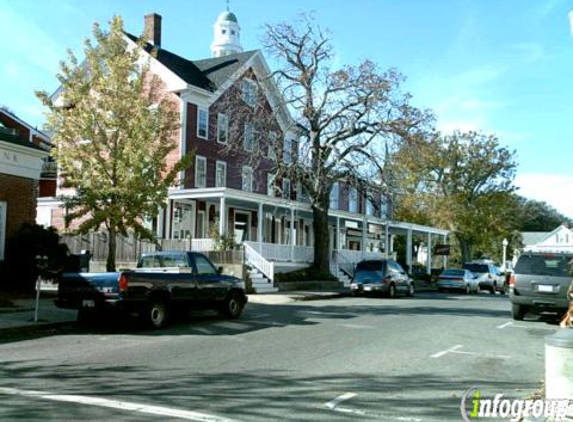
<point x="152" y="29"/>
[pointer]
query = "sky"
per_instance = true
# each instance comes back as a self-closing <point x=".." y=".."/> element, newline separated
<point x="500" y="67"/>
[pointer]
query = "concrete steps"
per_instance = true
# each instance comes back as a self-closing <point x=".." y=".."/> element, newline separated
<point x="260" y="283"/>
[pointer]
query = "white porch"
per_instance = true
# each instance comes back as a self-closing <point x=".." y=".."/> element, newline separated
<point x="276" y="232"/>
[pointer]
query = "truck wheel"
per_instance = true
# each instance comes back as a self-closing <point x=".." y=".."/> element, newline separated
<point x="518" y="312"/>
<point x="156" y="314"/>
<point x="232" y="307"/>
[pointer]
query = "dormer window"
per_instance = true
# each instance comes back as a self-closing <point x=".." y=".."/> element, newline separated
<point x="224" y="31"/>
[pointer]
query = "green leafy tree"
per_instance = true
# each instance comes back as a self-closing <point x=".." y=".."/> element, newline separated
<point x="538" y="216"/>
<point x="463" y="182"/>
<point x="113" y="129"/>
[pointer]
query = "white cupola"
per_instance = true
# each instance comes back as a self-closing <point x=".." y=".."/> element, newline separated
<point x="226" y="36"/>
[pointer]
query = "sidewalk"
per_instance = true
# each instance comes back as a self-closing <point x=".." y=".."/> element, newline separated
<point x="20" y="317"/>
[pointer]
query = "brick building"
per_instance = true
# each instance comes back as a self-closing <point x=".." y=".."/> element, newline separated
<point x="224" y="192"/>
<point x="22" y="157"/>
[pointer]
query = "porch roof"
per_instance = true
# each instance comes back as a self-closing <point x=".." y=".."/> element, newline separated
<point x="239" y="195"/>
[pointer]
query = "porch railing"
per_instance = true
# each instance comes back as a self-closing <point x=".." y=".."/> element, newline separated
<point x="259" y="261"/>
<point x="278" y="252"/>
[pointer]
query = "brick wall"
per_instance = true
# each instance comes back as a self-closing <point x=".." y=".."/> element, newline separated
<point x="20" y="194"/>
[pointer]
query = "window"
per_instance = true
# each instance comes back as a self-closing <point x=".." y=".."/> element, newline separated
<point x="270" y="184"/>
<point x="383" y="206"/>
<point x="249" y="137"/>
<point x="353" y="200"/>
<point x="249" y="93"/>
<point x="247" y="179"/>
<point x="175" y="260"/>
<point x="221" y="174"/>
<point x="203" y="123"/>
<point x="272" y="146"/>
<point x="200" y="172"/>
<point x="334" y="195"/>
<point x="287" y="154"/>
<point x="369" y="205"/>
<point x="224" y="31"/>
<point x="203" y="266"/>
<point x="222" y="128"/>
<point x="286" y="188"/>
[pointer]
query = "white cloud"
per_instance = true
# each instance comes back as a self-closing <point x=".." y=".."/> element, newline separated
<point x="555" y="189"/>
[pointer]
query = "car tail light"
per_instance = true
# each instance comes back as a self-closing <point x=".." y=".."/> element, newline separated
<point x="386" y="280"/>
<point x="122" y="283"/>
<point x="512" y="280"/>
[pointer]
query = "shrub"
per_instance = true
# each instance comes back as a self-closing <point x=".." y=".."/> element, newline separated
<point x="306" y="274"/>
<point x="29" y="241"/>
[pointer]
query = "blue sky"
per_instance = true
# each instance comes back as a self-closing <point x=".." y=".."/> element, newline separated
<point x="502" y="67"/>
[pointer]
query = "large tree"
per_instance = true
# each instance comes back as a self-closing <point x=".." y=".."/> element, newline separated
<point x="113" y="130"/>
<point x="342" y="118"/>
<point x="463" y="182"/>
<point x="538" y="216"/>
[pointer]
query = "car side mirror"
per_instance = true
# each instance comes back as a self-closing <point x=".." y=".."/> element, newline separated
<point x="219" y="270"/>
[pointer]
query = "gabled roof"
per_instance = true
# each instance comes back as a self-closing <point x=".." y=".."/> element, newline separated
<point x="534" y="238"/>
<point x="208" y="74"/>
<point x="220" y="69"/>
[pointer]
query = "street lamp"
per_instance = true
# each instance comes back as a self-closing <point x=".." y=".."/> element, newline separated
<point x="504" y="243"/>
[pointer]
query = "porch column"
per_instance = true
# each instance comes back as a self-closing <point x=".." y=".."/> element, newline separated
<point x="337" y="245"/>
<point x="429" y="257"/>
<point x="387" y="240"/>
<point x="160" y="222"/>
<point x="222" y="216"/>
<point x="409" y="250"/>
<point x="292" y="239"/>
<point x="260" y="227"/>
<point x="168" y="231"/>
<point x="364" y="228"/>
<point x="445" y="257"/>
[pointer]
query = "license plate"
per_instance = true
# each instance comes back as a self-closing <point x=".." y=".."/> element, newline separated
<point x="545" y="288"/>
<point x="88" y="303"/>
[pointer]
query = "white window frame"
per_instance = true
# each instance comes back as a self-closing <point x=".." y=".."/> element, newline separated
<point x="249" y="128"/>
<point x="352" y="199"/>
<point x="218" y="165"/>
<point x="199" y="158"/>
<point x="199" y="111"/>
<point x="222" y="126"/>
<point x="247" y="171"/>
<point x="370" y="211"/>
<point x="271" y="189"/>
<point x="335" y="196"/>
<point x="3" y="216"/>
<point x="286" y="188"/>
<point x="250" y="92"/>
<point x="273" y="137"/>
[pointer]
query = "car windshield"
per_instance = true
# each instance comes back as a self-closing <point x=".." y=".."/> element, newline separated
<point x="544" y="264"/>
<point x="457" y="273"/>
<point x="477" y="268"/>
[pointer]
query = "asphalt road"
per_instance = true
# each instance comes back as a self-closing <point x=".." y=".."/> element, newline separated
<point x="329" y="360"/>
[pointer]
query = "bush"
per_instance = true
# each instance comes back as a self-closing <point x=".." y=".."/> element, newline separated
<point x="29" y="241"/>
<point x="306" y="274"/>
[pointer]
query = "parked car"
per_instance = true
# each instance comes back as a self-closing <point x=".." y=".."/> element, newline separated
<point x="381" y="276"/>
<point x="539" y="283"/>
<point x="488" y="276"/>
<point x="163" y="282"/>
<point x="457" y="279"/>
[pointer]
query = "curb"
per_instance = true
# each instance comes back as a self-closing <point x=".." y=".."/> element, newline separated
<point x="319" y="297"/>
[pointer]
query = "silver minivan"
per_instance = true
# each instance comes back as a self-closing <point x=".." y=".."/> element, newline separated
<point x="539" y="283"/>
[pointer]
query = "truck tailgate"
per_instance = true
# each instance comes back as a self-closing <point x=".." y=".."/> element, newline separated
<point x="77" y="289"/>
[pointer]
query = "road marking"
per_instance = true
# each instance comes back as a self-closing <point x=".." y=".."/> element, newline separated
<point x="333" y="405"/>
<point x="442" y="353"/>
<point x="116" y="404"/>
<point x="463" y="352"/>
<point x="514" y="325"/>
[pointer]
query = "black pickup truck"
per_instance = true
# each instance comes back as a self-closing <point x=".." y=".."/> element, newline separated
<point x="162" y="283"/>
